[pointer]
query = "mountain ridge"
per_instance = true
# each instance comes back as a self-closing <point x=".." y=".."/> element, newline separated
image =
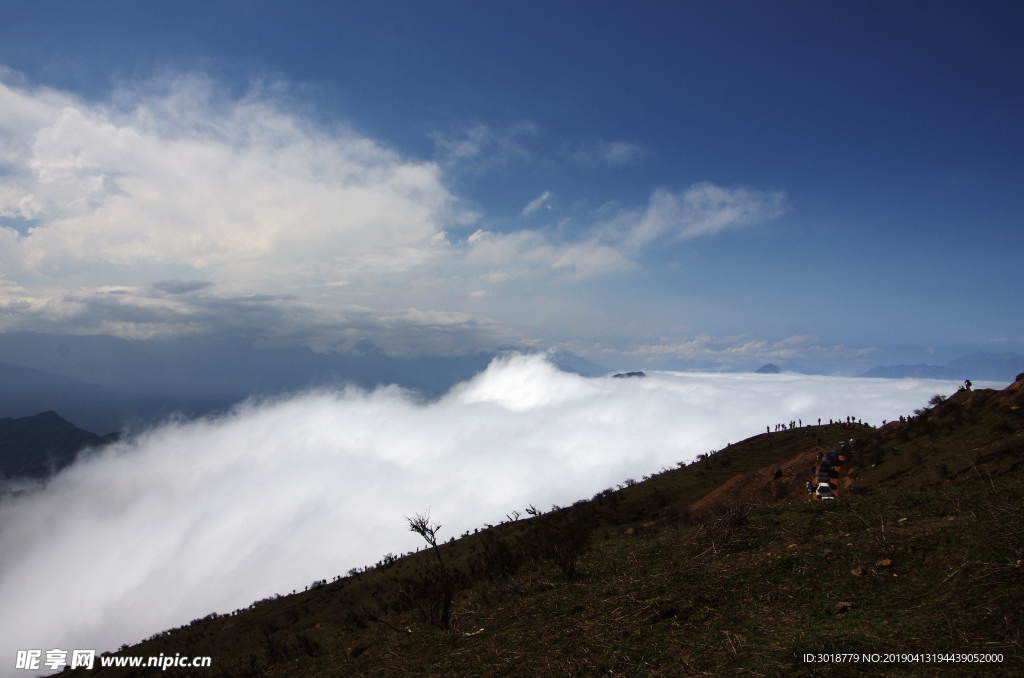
<point x="644" y="579"/>
<point x="43" y="444"/>
<point x="25" y="392"/>
<point x="980" y="365"/>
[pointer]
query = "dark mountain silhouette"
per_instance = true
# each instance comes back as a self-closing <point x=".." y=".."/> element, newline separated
<point x="40" y="445"/>
<point x="25" y="392"/>
<point x="981" y="365"/>
<point x="769" y="369"/>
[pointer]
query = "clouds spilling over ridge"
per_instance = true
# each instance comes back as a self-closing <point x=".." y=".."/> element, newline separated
<point x="210" y="515"/>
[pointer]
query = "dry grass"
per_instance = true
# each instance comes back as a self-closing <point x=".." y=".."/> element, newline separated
<point x="924" y="560"/>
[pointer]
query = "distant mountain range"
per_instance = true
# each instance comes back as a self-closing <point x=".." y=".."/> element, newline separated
<point x="227" y="367"/>
<point x="38" y="446"/>
<point x="25" y="392"/>
<point x="769" y="369"/>
<point x="982" y="366"/>
<point x="107" y="384"/>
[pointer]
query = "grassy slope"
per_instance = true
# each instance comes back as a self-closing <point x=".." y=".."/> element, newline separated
<point x="749" y="587"/>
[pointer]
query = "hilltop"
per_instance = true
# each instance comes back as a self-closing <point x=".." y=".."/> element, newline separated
<point x="41" y="445"/>
<point x="25" y="392"/>
<point x="719" y="566"/>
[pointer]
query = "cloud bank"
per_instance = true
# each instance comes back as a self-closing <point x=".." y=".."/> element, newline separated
<point x="173" y="209"/>
<point x="737" y="349"/>
<point x="248" y="194"/>
<point x="209" y="515"/>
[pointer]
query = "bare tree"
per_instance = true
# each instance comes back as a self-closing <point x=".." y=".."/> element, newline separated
<point x="421" y="525"/>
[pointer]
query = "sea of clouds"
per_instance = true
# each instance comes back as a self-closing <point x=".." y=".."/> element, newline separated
<point x="209" y="515"/>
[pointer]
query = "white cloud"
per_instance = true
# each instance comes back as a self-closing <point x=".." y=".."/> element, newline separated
<point x="479" y="149"/>
<point x="703" y="209"/>
<point x="210" y="515"/>
<point x="260" y="212"/>
<point x="250" y="195"/>
<point x="536" y="203"/>
<point x="733" y="350"/>
<point x="532" y="253"/>
<point x="594" y="153"/>
<point x="173" y="209"/>
<point x="616" y="242"/>
<point x="175" y="308"/>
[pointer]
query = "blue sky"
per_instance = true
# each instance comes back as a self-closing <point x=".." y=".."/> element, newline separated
<point x="826" y="185"/>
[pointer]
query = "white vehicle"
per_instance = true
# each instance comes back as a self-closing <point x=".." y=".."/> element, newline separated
<point x="825" y="492"/>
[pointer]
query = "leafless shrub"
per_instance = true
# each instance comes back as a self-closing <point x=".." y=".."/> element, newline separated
<point x="444" y="592"/>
